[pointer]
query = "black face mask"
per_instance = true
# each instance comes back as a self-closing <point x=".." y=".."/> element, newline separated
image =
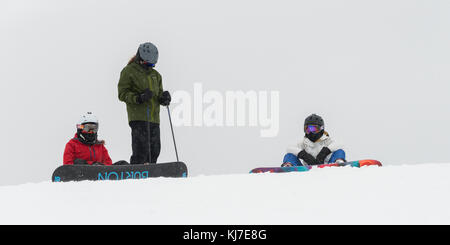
<point x="314" y="137"/>
<point x="86" y="138"/>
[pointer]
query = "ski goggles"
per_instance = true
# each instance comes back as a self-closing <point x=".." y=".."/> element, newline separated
<point x="148" y="64"/>
<point x="313" y="129"/>
<point x="91" y="128"/>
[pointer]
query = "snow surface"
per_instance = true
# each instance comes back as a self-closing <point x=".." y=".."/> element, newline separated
<point x="400" y="194"/>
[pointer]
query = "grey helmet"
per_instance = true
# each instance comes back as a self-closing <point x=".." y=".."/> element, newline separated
<point x="314" y="119"/>
<point x="148" y="53"/>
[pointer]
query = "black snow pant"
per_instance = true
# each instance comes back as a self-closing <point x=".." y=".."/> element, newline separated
<point x="142" y="143"/>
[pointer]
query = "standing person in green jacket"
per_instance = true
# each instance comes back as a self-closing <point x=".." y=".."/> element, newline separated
<point x="140" y="87"/>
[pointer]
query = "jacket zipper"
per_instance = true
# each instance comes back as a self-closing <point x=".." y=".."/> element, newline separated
<point x="90" y="154"/>
<point x="93" y="149"/>
<point x="150" y="80"/>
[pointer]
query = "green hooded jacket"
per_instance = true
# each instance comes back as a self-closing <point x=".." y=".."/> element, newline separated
<point x="134" y="79"/>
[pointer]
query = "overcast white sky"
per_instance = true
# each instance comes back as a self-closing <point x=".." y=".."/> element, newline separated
<point x="377" y="71"/>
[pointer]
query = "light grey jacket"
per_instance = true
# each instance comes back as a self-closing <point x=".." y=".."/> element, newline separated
<point x="314" y="148"/>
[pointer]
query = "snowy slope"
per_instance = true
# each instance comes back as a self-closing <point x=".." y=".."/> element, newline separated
<point x="405" y="194"/>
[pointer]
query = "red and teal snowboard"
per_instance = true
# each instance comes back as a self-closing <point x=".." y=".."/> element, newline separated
<point x="358" y="164"/>
<point x="281" y="169"/>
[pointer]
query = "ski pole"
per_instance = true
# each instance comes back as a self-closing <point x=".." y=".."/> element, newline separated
<point x="149" y="136"/>
<point x="173" y="135"/>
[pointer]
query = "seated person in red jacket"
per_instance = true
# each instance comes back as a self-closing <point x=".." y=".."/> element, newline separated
<point x="85" y="148"/>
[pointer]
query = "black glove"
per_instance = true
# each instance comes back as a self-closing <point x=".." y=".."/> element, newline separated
<point x="121" y="162"/>
<point x="79" y="161"/>
<point x="145" y="96"/>
<point x="308" y="158"/>
<point x="323" y="154"/>
<point x="165" y="98"/>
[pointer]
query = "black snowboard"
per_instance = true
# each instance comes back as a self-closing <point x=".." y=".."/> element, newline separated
<point x="118" y="172"/>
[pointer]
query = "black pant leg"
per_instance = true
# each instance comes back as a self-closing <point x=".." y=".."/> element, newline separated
<point x="139" y="142"/>
<point x="155" y="142"/>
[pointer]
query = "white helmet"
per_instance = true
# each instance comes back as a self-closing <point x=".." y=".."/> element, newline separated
<point x="84" y="129"/>
<point x="88" y="117"/>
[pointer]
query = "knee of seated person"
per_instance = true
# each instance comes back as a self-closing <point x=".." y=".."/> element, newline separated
<point x="290" y="158"/>
<point x="339" y="154"/>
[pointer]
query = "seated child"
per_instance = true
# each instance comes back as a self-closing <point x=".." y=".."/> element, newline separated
<point x="85" y="148"/>
<point x="316" y="147"/>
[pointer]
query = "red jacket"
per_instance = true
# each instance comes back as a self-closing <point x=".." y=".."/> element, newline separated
<point x="91" y="153"/>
